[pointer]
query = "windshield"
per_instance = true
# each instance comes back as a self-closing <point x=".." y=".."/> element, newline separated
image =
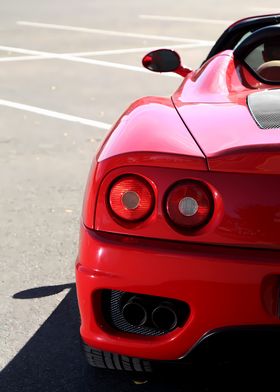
<point x="238" y="32"/>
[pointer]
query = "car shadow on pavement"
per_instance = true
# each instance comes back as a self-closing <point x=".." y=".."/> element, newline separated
<point x="52" y="361"/>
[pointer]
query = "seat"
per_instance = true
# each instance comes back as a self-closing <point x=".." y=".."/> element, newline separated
<point x="270" y="70"/>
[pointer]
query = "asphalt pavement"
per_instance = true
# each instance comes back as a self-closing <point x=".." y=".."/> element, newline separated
<point x="68" y="69"/>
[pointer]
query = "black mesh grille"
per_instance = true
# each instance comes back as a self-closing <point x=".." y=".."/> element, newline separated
<point x="113" y="304"/>
<point x="265" y="108"/>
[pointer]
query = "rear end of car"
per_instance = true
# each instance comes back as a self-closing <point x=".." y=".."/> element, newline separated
<point x="171" y="257"/>
<point x="180" y="234"/>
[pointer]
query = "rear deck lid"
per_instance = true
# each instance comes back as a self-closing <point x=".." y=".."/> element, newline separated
<point x="241" y="136"/>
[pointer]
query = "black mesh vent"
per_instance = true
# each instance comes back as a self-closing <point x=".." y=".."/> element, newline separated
<point x="114" y="315"/>
<point x="265" y="108"/>
<point x="114" y="300"/>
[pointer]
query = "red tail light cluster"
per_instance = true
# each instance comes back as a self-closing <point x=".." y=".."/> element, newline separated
<point x="189" y="205"/>
<point x="131" y="198"/>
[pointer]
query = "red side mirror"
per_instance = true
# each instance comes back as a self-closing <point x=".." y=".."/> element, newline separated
<point x="164" y="60"/>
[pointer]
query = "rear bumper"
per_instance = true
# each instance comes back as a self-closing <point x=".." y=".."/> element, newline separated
<point x="224" y="287"/>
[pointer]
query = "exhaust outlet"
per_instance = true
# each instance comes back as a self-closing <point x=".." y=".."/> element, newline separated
<point x="134" y="312"/>
<point x="165" y="317"/>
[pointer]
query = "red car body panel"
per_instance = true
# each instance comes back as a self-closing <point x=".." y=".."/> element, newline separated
<point x="151" y="125"/>
<point x="224" y="287"/>
<point x="227" y="271"/>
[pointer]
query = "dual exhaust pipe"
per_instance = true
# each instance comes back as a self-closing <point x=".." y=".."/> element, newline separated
<point x="137" y="313"/>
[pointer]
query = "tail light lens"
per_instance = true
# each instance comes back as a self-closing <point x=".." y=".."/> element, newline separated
<point x="131" y="198"/>
<point x="189" y="205"/>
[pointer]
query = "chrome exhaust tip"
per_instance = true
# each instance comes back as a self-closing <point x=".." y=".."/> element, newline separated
<point x="165" y="317"/>
<point x="134" y="312"/>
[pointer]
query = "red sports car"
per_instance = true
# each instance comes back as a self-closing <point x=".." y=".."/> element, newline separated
<point x="180" y="233"/>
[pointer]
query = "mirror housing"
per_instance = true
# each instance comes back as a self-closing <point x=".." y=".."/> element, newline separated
<point x="164" y="60"/>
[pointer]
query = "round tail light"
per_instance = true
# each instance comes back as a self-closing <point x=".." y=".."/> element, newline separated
<point x="131" y="198"/>
<point x="189" y="205"/>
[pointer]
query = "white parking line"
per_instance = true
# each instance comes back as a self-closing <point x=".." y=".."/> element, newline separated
<point x="108" y="64"/>
<point x="23" y="51"/>
<point x="48" y="55"/>
<point x="184" y="19"/>
<point x="112" y="33"/>
<point x="21" y="58"/>
<point x="51" y="113"/>
<point x="134" y="50"/>
<point x="39" y="55"/>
